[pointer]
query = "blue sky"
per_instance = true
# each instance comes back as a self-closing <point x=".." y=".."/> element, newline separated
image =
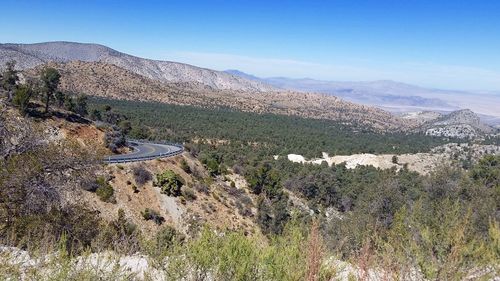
<point x="450" y="44"/>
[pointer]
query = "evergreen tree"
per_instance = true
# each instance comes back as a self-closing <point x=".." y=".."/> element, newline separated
<point x="50" y="78"/>
<point x="9" y="79"/>
<point x="60" y="98"/>
<point x="22" y="97"/>
<point x="81" y="105"/>
<point x="69" y="103"/>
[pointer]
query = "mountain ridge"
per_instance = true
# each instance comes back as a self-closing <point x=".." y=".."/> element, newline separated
<point x="31" y="55"/>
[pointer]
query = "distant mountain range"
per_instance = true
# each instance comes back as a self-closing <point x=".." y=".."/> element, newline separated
<point x="392" y="96"/>
<point x="31" y="55"/>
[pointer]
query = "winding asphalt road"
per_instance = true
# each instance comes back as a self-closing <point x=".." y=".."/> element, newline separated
<point x="145" y="151"/>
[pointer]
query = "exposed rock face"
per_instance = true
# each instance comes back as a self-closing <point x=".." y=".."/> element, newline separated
<point x="31" y="55"/>
<point x="461" y="131"/>
<point x="422" y="116"/>
<point x="423" y="163"/>
<point x="458" y="124"/>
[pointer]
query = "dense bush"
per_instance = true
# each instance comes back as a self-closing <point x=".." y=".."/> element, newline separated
<point x="141" y="175"/>
<point x="185" y="166"/>
<point x="170" y="183"/>
<point x="149" y="214"/>
<point x="212" y="163"/>
<point x="264" y="179"/>
<point x="105" y="190"/>
<point x="168" y="236"/>
<point x="114" y="139"/>
<point x="22" y="97"/>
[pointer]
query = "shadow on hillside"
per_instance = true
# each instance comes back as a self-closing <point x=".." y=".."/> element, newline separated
<point x="36" y="111"/>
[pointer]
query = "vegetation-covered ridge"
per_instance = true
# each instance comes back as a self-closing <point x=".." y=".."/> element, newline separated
<point x="271" y="133"/>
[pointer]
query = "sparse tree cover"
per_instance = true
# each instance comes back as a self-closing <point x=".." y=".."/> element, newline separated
<point x="45" y="88"/>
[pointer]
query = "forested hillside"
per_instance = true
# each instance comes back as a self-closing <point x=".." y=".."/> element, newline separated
<point x="247" y="133"/>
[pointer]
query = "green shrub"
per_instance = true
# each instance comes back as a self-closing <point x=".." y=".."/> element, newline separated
<point x="149" y="214"/>
<point x="188" y="193"/>
<point x="167" y="236"/>
<point x="141" y="175"/>
<point x="105" y="190"/>
<point x="394" y="159"/>
<point x="22" y="97"/>
<point x="185" y="167"/>
<point x="170" y="183"/>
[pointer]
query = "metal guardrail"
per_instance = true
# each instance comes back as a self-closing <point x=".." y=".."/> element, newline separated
<point x="146" y="158"/>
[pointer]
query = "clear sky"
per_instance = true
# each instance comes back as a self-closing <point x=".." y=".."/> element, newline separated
<point x="453" y="44"/>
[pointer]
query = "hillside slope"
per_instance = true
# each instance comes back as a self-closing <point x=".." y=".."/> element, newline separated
<point x="78" y="146"/>
<point x="31" y="55"/>
<point x="107" y="80"/>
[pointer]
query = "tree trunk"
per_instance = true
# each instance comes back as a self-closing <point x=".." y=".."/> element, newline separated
<point x="47" y="100"/>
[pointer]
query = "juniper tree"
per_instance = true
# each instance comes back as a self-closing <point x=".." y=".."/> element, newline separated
<point x="9" y="79"/>
<point x="50" y="78"/>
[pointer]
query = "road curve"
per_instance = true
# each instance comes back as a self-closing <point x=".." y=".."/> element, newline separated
<point x="144" y="151"/>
